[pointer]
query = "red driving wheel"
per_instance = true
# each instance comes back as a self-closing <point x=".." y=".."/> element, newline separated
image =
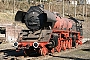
<point x="43" y="51"/>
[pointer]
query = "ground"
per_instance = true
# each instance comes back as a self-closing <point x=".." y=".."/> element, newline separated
<point x="78" y="54"/>
<point x="82" y="52"/>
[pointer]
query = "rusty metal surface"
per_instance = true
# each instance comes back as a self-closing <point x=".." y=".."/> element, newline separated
<point x="42" y="36"/>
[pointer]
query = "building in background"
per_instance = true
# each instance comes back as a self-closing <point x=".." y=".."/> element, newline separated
<point x="59" y="0"/>
<point x="73" y="2"/>
<point x="9" y="32"/>
<point x="88" y="1"/>
<point x="83" y="2"/>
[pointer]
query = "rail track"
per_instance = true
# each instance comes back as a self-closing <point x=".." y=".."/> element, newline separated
<point x="11" y="54"/>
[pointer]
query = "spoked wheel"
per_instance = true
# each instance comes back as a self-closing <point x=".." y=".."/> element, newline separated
<point x="58" y="48"/>
<point x="76" y="45"/>
<point x="44" y="51"/>
<point x="69" y="45"/>
<point x="52" y="51"/>
<point x="63" y="46"/>
<point x="66" y="43"/>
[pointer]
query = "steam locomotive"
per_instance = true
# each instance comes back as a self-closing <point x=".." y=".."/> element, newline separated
<point x="47" y="32"/>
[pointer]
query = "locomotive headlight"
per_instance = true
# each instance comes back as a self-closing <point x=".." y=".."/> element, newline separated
<point x="15" y="44"/>
<point x="35" y="44"/>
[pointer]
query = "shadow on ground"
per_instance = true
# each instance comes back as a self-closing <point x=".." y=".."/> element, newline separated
<point x="85" y="50"/>
<point x="65" y="57"/>
<point x="10" y="52"/>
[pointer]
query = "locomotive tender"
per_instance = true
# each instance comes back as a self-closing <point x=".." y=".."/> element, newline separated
<point x="47" y="32"/>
